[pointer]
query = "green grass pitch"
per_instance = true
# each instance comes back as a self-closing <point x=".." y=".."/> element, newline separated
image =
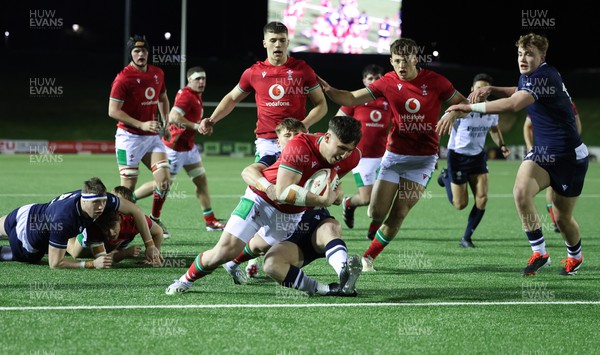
<point x="427" y="296"/>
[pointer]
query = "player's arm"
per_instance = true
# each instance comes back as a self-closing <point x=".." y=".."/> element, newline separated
<point x="528" y="133"/>
<point x="499" y="140"/>
<point x="253" y="176"/>
<point x="224" y="108"/>
<point x="516" y="102"/>
<point x="288" y="191"/>
<point x="319" y="109"/>
<point x="176" y="116"/>
<point x="163" y="107"/>
<point x="152" y="253"/>
<point x="447" y="120"/>
<point x="481" y="94"/>
<point x="57" y="260"/>
<point x="115" y="110"/>
<point x="345" y="97"/>
<point x="578" y="123"/>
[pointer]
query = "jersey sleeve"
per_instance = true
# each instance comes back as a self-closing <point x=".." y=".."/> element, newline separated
<point x="163" y="85"/>
<point x="118" y="92"/>
<point x="296" y="155"/>
<point x="60" y="233"/>
<point x="113" y="203"/>
<point x="377" y="88"/>
<point x="183" y="103"/>
<point x="245" y="84"/>
<point x="348" y="110"/>
<point x="446" y="89"/>
<point x="311" y="77"/>
<point x="268" y="160"/>
<point x="94" y="234"/>
<point x="574" y="108"/>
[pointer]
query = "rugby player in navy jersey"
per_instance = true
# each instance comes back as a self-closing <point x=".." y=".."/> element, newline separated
<point x="35" y="230"/>
<point x="558" y="158"/>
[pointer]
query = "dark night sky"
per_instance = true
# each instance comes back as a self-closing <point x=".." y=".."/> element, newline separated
<point x="462" y="33"/>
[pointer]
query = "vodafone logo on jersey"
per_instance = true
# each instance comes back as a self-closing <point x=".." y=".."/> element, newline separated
<point x="412" y="105"/>
<point x="276" y="91"/>
<point x="375" y="116"/>
<point x="150" y="93"/>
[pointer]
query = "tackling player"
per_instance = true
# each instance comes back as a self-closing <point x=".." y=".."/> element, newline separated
<point x="303" y="156"/>
<point x="45" y="228"/>
<point x="112" y="233"/>
<point x="318" y="234"/>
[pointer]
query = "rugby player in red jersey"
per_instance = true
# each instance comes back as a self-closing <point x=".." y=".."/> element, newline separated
<point x="415" y="96"/>
<point x="137" y="93"/>
<point x="281" y="86"/>
<point x="375" y="117"/>
<point x="184" y="118"/>
<point x="301" y="158"/>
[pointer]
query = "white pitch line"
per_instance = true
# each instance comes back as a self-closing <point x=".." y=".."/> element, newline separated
<point x="189" y="195"/>
<point x="307" y="305"/>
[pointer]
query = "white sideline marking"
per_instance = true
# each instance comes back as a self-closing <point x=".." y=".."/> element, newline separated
<point x="239" y="195"/>
<point x="307" y="305"/>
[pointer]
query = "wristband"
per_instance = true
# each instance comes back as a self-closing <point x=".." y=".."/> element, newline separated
<point x="149" y="243"/>
<point x="479" y="107"/>
<point x="196" y="126"/>
<point x="294" y="195"/>
<point x="82" y="264"/>
<point x="263" y="184"/>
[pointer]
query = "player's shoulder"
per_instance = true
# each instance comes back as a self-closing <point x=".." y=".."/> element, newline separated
<point x="296" y="63"/>
<point x="155" y="70"/>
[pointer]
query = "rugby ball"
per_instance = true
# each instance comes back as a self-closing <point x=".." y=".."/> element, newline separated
<point x="317" y="183"/>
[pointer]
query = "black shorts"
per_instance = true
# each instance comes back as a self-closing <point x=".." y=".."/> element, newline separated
<point x="302" y="237"/>
<point x="461" y="166"/>
<point x="16" y="246"/>
<point x="567" y="173"/>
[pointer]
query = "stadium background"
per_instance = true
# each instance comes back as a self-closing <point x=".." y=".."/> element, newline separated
<point x="225" y="38"/>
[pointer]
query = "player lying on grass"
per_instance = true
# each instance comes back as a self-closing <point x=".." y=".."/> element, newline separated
<point x="112" y="233"/>
<point x="36" y="229"/>
<point x="302" y="157"/>
<point x="318" y="235"/>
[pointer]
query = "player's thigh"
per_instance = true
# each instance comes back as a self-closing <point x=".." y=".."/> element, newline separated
<point x="409" y="193"/>
<point x="531" y="178"/>
<point x="2" y="231"/>
<point x="382" y="196"/>
<point x="284" y="253"/>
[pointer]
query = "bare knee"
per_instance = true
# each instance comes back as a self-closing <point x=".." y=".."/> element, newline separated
<point x="481" y="201"/>
<point x="459" y="204"/>
<point x="271" y="265"/>
<point x="376" y="212"/>
<point x="520" y="195"/>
